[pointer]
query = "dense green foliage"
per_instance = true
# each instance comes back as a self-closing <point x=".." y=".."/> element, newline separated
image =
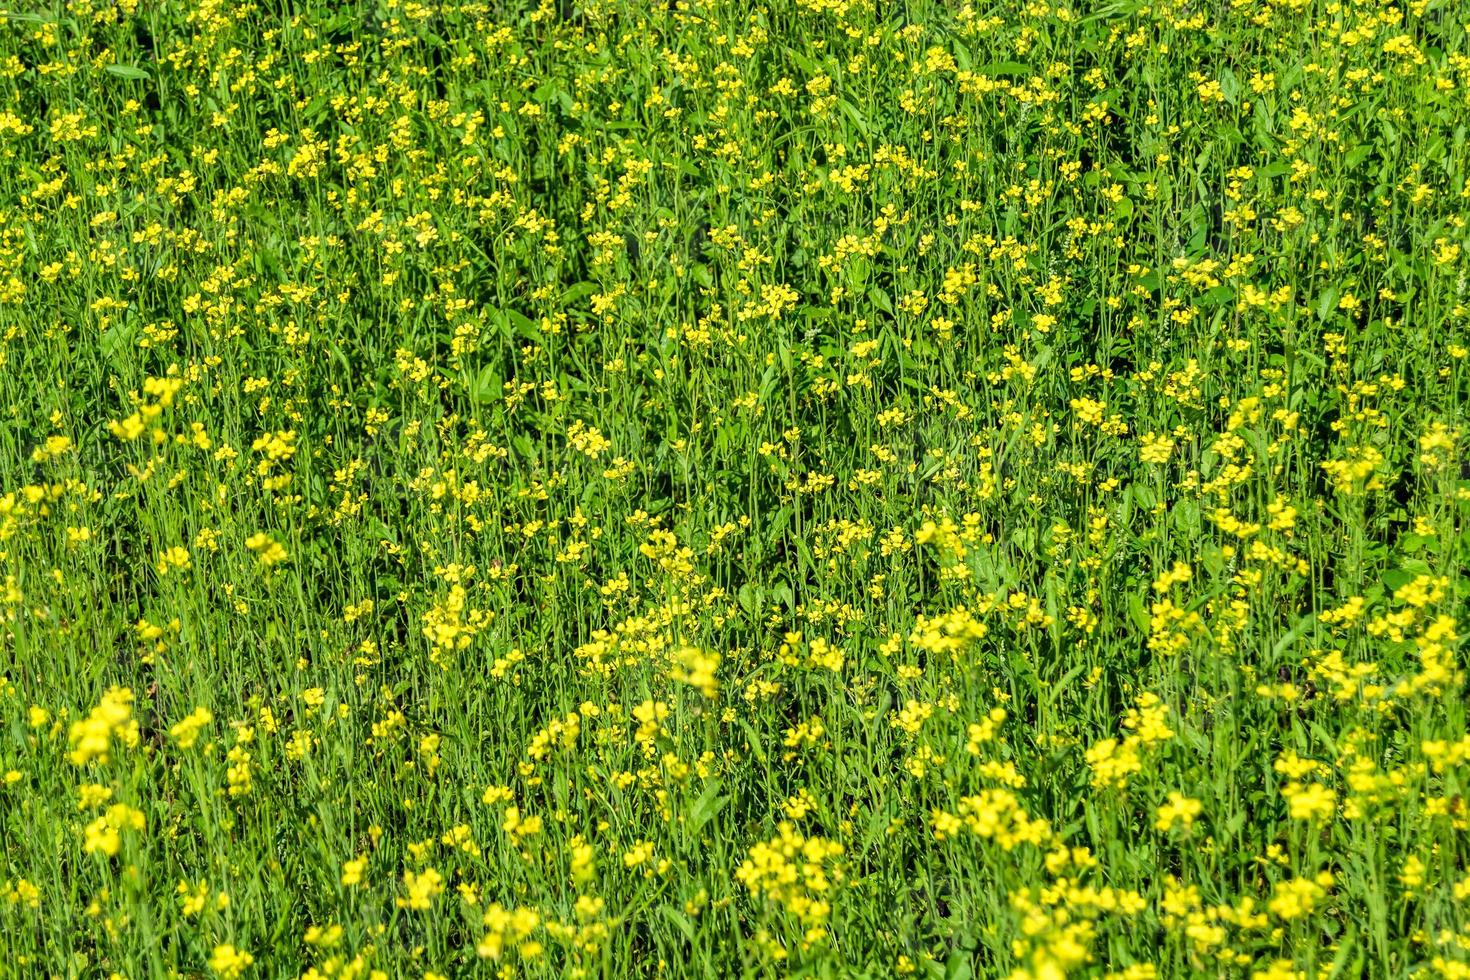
<point x="823" y="487"/>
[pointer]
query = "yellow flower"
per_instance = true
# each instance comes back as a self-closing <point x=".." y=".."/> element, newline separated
<point x="1180" y="810"/>
<point x="91" y="738"/>
<point x="1112" y="762"/>
<point x="1311" y="801"/>
<point x="796" y="872"/>
<point x="640" y="853"/>
<point x="352" y="871"/>
<point x="22" y="892"/>
<point x="229" y="962"/>
<point x="421" y="889"/>
<point x="186" y="732"/>
<point x="104" y="835"/>
<point x="175" y="558"/>
<point x="696" y="668"/>
<point x="267" y="550"/>
<point x="1295" y="897"/>
<point x="1155" y="448"/>
<point x="506" y="926"/>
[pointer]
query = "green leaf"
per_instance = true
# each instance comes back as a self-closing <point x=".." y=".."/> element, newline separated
<point x="128" y="71"/>
<point x="1217" y="296"/>
<point x="1137" y="612"/>
<point x="753" y="741"/>
<point x="880" y="300"/>
<point x="705" y="808"/>
<point x="1292" y="635"/>
<point x="996" y="68"/>
<point x="577" y="291"/>
<point x="680" y="921"/>
<point x="488" y="385"/>
<point x="853" y="115"/>
<point x="1326" y="303"/>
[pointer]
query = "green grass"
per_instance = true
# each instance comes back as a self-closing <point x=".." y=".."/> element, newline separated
<point x="828" y="488"/>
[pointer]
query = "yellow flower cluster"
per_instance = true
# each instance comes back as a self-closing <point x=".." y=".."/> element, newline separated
<point x="796" y="873"/>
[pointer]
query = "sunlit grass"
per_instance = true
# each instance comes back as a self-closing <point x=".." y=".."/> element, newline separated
<point x="830" y="488"/>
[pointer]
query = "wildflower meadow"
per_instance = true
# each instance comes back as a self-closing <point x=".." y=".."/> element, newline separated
<point x="691" y="488"/>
